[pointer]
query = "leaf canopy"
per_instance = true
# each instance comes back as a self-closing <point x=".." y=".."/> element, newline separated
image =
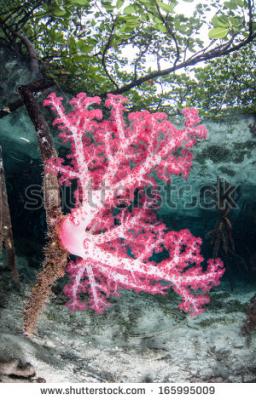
<point x="146" y="48"/>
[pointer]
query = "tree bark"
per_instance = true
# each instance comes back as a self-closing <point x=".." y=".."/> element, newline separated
<point x="55" y="256"/>
<point x="6" y="234"/>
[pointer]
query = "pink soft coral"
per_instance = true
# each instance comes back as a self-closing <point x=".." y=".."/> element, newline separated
<point x="109" y="159"/>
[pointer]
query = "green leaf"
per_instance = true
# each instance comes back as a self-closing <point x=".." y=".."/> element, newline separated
<point x="218" y="33"/>
<point x="233" y="4"/>
<point x="129" y="10"/>
<point x="220" y="21"/>
<point x="236" y="22"/>
<point x="108" y="5"/>
<point x="80" y="2"/>
<point x="166" y="7"/>
<point x="80" y="58"/>
<point x="58" y="11"/>
<point x="131" y="21"/>
<point x="160" y="26"/>
<point x="119" y="3"/>
<point x="84" y="46"/>
<point x="72" y="44"/>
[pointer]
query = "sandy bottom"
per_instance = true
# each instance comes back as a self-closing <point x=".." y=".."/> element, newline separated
<point x="140" y="339"/>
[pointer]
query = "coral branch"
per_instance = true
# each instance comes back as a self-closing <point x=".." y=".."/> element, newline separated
<point x="114" y="247"/>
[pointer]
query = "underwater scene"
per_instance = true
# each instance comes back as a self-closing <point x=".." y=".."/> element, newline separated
<point x="127" y="191"/>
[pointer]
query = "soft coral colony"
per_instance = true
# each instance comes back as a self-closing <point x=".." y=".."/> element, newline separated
<point x="114" y="250"/>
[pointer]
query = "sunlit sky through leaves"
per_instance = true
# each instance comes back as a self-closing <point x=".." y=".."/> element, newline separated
<point x="185" y="8"/>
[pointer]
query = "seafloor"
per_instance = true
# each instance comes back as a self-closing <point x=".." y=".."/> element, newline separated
<point x="140" y="339"/>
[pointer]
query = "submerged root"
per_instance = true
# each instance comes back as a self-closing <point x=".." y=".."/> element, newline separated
<point x="52" y="270"/>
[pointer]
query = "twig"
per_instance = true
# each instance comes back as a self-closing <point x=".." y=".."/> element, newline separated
<point x="217" y="52"/>
<point x="104" y="53"/>
<point x="170" y="32"/>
